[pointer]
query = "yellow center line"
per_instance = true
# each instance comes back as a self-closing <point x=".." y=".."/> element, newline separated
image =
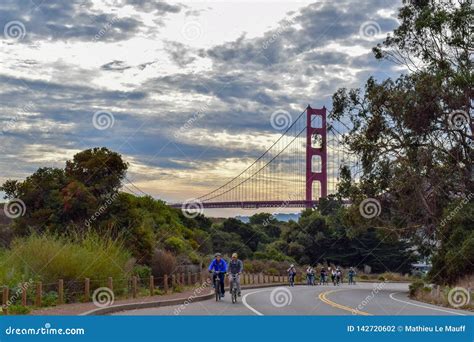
<point x="324" y="299"/>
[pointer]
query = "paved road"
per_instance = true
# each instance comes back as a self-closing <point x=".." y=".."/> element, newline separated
<point x="361" y="299"/>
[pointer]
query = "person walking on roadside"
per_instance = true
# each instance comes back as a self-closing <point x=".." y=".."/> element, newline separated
<point x="352" y="274"/>
<point x="291" y="275"/>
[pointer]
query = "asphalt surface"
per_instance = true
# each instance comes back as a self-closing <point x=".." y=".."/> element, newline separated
<point x="359" y="299"/>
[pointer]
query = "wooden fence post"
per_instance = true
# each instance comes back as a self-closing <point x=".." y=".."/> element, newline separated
<point x="152" y="285"/>
<point x="189" y="278"/>
<point x="24" y="294"/>
<point x="87" y="290"/>
<point x="60" y="291"/>
<point x="173" y="280"/>
<point x="5" y="300"/>
<point x="134" y="286"/>
<point x="110" y="284"/>
<point x="39" y="293"/>
<point x="165" y="283"/>
<point x="203" y="278"/>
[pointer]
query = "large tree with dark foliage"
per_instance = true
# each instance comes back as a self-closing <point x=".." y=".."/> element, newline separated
<point x="415" y="134"/>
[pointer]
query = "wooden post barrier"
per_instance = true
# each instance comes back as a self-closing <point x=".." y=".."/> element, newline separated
<point x="165" y="283"/>
<point x="87" y="290"/>
<point x="134" y="286"/>
<point x="39" y="293"/>
<point x="189" y="279"/>
<point x="152" y="285"/>
<point x="110" y="284"/>
<point x="24" y="293"/>
<point x="5" y="300"/>
<point x="173" y="280"/>
<point x="60" y="291"/>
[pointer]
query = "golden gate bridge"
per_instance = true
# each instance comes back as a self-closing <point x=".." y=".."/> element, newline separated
<point x="298" y="169"/>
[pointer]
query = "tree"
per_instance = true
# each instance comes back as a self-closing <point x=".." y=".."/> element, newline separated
<point x="99" y="169"/>
<point x="414" y="135"/>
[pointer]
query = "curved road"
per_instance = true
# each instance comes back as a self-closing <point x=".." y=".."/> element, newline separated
<point x="360" y="299"/>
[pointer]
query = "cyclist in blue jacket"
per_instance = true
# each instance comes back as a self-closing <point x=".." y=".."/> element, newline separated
<point x="218" y="267"/>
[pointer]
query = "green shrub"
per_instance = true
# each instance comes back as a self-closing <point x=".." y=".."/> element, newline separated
<point x="18" y="310"/>
<point x="177" y="288"/>
<point x="415" y="287"/>
<point x="381" y="278"/>
<point x="50" y="299"/>
<point x="142" y="271"/>
<point x="364" y="277"/>
<point x="175" y="244"/>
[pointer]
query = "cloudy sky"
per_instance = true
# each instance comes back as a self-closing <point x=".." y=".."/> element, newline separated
<point x="131" y="75"/>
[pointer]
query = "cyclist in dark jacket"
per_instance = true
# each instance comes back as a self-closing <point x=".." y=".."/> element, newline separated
<point x="235" y="268"/>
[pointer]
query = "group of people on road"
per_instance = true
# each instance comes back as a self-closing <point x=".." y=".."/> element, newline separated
<point x="335" y="274"/>
<point x="219" y="268"/>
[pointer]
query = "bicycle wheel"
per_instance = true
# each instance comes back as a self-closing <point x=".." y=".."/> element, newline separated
<point x="218" y="290"/>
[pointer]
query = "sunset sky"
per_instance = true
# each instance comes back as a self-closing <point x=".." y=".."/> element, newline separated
<point x="131" y="75"/>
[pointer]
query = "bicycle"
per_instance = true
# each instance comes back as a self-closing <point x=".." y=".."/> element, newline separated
<point x="233" y="288"/>
<point x="217" y="285"/>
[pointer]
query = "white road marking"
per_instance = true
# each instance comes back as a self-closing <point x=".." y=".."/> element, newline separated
<point x="244" y="301"/>
<point x="423" y="306"/>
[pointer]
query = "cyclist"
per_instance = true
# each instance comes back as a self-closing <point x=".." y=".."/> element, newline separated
<point x="351" y="274"/>
<point x="338" y="276"/>
<point x="333" y="277"/>
<point x="291" y="274"/>
<point x="323" y="277"/>
<point x="218" y="267"/>
<point x="235" y="268"/>
<point x="310" y="276"/>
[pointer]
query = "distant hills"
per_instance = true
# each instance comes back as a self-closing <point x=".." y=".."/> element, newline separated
<point x="279" y="217"/>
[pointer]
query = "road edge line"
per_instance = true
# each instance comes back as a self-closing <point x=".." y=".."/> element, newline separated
<point x="423" y="306"/>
